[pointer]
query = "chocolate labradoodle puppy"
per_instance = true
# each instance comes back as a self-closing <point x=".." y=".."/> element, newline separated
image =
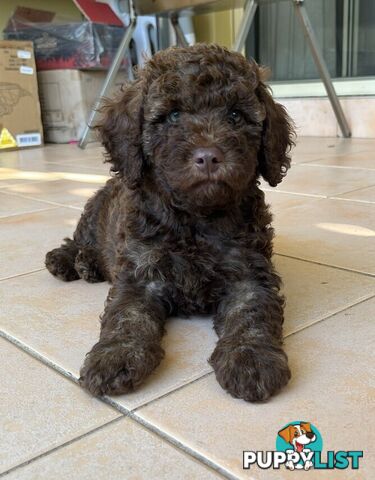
<point x="182" y="227"/>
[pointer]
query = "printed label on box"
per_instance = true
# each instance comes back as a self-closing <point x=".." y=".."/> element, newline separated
<point x="29" y="139"/>
<point x="23" y="54"/>
<point x="26" y="70"/>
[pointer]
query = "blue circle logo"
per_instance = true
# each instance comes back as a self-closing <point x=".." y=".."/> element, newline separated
<point x="299" y="437"/>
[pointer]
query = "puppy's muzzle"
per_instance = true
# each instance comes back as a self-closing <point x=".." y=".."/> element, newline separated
<point x="208" y="159"/>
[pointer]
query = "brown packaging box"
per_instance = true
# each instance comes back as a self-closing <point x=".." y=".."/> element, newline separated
<point x="66" y="98"/>
<point x="20" y="118"/>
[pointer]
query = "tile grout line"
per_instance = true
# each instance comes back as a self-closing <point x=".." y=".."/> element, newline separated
<point x="61" y="446"/>
<point x="355" y="200"/>
<point x="315" y="262"/>
<point x="34" y="354"/>
<point x="355" y="190"/>
<point x="49" y="202"/>
<point x="181" y="446"/>
<point x="329" y="155"/>
<point x="121" y="409"/>
<point x="172" y="391"/>
<point x="28" y="212"/>
<point x="38" y="181"/>
<point x="313" y="195"/>
<point x="328" y="317"/>
<point x="69" y="162"/>
<point x="316" y="196"/>
<point x="148" y="427"/>
<point x="342" y="167"/>
<point x="297" y="194"/>
<point x="70" y="376"/>
<point x="22" y="274"/>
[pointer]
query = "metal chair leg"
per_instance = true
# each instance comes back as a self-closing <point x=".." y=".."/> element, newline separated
<point x="301" y="13"/>
<point x="181" y="40"/>
<point x="110" y="78"/>
<point x="247" y="20"/>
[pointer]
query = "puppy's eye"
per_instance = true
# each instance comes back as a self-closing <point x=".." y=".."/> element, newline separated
<point x="174" y="116"/>
<point x="235" y="117"/>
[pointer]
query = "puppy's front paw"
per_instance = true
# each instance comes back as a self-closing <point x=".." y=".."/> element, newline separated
<point x="60" y="263"/>
<point x="88" y="266"/>
<point x="252" y="370"/>
<point x="118" y="367"/>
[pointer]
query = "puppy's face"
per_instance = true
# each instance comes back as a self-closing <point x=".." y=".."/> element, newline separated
<point x="298" y="435"/>
<point x="206" y="127"/>
<point x="202" y="131"/>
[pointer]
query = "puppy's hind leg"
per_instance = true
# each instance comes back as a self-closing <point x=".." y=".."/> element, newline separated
<point x="89" y="266"/>
<point x="80" y="257"/>
<point x="60" y="261"/>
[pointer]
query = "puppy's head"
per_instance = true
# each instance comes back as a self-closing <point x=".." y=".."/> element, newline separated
<point x="298" y="435"/>
<point x="200" y="125"/>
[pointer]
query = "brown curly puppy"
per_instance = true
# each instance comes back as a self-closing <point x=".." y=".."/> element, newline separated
<point x="183" y="227"/>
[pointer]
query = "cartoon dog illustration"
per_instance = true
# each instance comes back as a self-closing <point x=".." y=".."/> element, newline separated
<point x="298" y="436"/>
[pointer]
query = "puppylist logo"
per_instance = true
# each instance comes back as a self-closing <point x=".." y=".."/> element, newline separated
<point x="299" y="446"/>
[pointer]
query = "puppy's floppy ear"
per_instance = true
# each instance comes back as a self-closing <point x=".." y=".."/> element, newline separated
<point x="121" y="132"/>
<point x="306" y="426"/>
<point x="277" y="137"/>
<point x="287" y="433"/>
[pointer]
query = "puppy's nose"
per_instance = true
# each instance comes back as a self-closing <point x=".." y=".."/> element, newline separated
<point x="208" y="159"/>
<point x="310" y="435"/>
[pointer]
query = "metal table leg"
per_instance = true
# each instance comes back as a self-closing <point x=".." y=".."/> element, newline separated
<point x="301" y="13"/>
<point x="247" y="20"/>
<point x="181" y="40"/>
<point x="110" y="78"/>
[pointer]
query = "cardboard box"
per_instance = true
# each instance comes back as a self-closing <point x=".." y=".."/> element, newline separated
<point x="66" y="98"/>
<point x="80" y="45"/>
<point x="69" y="44"/>
<point x="20" y="119"/>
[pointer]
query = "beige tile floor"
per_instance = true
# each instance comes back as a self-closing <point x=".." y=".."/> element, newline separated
<point x="180" y="424"/>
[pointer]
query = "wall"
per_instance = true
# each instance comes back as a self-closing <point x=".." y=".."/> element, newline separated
<point x="219" y="27"/>
<point x="315" y="117"/>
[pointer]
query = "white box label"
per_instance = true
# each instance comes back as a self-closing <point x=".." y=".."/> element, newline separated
<point x="28" y="139"/>
<point x="26" y="70"/>
<point x="23" y="54"/>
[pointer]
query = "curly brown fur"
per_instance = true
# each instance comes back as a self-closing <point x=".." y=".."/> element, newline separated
<point x="178" y="231"/>
<point x="60" y="261"/>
